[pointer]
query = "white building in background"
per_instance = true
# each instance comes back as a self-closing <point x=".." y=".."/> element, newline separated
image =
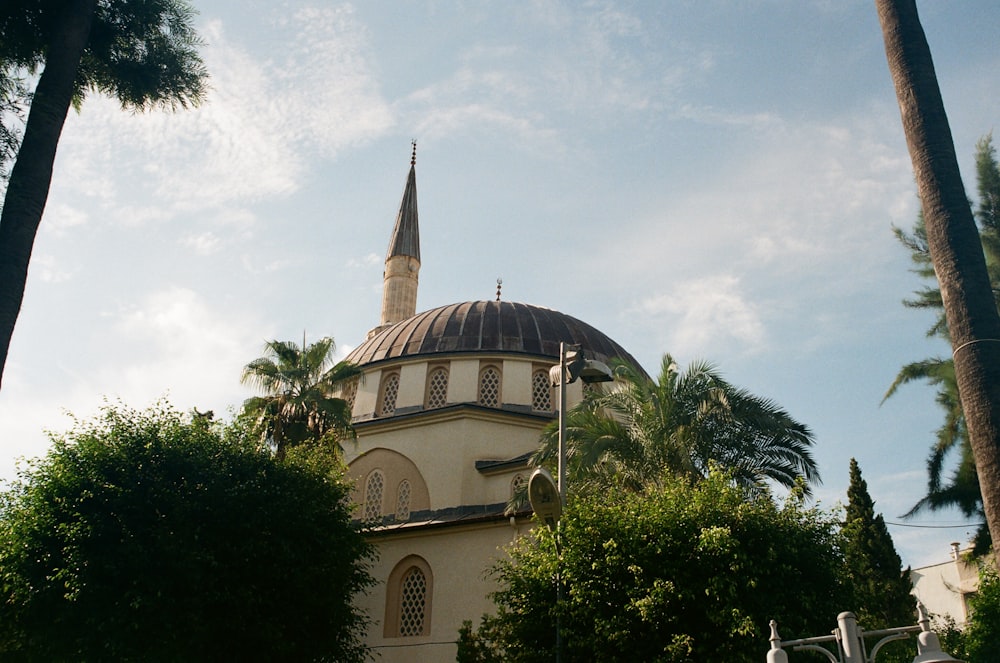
<point x="945" y="588"/>
<point x="450" y="404"/>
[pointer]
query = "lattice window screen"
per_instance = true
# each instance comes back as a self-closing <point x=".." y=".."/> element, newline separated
<point x="374" y="489"/>
<point x="390" y="389"/>
<point x="437" y="388"/>
<point x="412" y="603"/>
<point x="349" y="392"/>
<point x="541" y="391"/>
<point x="489" y="387"/>
<point x="403" y="501"/>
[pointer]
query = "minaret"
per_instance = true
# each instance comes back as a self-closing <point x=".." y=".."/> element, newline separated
<point x="402" y="261"/>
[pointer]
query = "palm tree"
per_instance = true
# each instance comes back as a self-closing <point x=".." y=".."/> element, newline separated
<point x="953" y="239"/>
<point x="642" y="431"/>
<point x="298" y="406"/>
<point x="141" y="52"/>
<point x="960" y="489"/>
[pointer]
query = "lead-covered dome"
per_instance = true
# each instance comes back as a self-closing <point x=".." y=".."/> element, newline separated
<point x="487" y="326"/>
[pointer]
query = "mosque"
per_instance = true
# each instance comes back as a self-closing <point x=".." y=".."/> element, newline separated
<point x="449" y="406"/>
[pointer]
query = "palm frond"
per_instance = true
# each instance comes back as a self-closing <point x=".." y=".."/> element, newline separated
<point x="644" y="431"/>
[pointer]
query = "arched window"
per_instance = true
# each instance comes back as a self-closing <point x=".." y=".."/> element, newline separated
<point x="409" y="598"/>
<point x="517" y="484"/>
<point x="489" y="387"/>
<point x="437" y="388"/>
<point x="403" y="500"/>
<point x="374" y="489"/>
<point x="541" y="391"/>
<point x="349" y="391"/>
<point x="390" y="390"/>
<point x="412" y="603"/>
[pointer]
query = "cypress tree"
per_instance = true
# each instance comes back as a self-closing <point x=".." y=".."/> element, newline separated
<point x="881" y="591"/>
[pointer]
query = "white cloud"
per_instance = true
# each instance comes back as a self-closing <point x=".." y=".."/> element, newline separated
<point x="252" y="264"/>
<point x="702" y="314"/>
<point x="788" y="199"/>
<point x="253" y="138"/>
<point x="714" y="116"/>
<point x="178" y="339"/>
<point x="590" y="63"/>
<point x="49" y="270"/>
<point x="473" y="98"/>
<point x="204" y="244"/>
<point x="366" y="261"/>
<point x="327" y="85"/>
<point x="769" y="240"/>
<point x="59" y="218"/>
<point x="173" y="343"/>
<point x="451" y="120"/>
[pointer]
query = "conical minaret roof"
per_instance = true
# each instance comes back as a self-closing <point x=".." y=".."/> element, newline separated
<point x="405" y="239"/>
<point x="402" y="261"/>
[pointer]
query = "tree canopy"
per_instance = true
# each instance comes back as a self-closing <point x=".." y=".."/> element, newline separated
<point x="151" y="536"/>
<point x="683" y="572"/>
<point x="298" y="405"/>
<point x="144" y="53"/>
<point x="880" y="587"/>
<point x="641" y="432"/>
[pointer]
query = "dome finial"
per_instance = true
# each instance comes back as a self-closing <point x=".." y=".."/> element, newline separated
<point x="499" y="283"/>
<point x="413" y="157"/>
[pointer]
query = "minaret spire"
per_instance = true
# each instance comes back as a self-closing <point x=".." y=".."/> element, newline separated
<point x="402" y="260"/>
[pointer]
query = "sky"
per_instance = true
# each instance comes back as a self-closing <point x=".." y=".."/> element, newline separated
<point x="716" y="179"/>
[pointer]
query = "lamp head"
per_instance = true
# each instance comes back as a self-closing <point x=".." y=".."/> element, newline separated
<point x="543" y="494"/>
<point x="595" y="371"/>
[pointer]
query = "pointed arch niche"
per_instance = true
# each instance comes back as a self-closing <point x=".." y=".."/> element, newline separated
<point x="409" y="593"/>
<point x="404" y="491"/>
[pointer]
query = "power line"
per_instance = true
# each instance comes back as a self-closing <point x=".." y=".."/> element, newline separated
<point x="936" y="526"/>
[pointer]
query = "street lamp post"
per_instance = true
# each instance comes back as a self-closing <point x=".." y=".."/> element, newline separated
<point x="542" y="491"/>
<point x="572" y="366"/>
<point x="850" y="639"/>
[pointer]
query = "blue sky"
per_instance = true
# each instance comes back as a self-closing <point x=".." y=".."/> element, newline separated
<point x="714" y="179"/>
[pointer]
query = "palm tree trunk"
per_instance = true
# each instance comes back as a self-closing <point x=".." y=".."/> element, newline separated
<point x="955" y="247"/>
<point x="28" y="187"/>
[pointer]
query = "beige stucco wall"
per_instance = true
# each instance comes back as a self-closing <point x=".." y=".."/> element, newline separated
<point x="458" y="558"/>
<point x="517" y="382"/>
<point x="367" y="393"/>
<point x="444" y="446"/>
<point x="446" y="449"/>
<point x="412" y="383"/>
<point x="463" y="382"/>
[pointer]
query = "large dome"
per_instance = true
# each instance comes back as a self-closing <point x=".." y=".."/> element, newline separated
<point x="487" y="326"/>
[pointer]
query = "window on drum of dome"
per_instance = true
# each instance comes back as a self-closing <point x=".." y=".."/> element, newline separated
<point x="437" y="388"/>
<point x="489" y="387"/>
<point x="349" y="392"/>
<point x="374" y="489"/>
<point x="403" y="500"/>
<point x="390" y="390"/>
<point x="541" y="391"/>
